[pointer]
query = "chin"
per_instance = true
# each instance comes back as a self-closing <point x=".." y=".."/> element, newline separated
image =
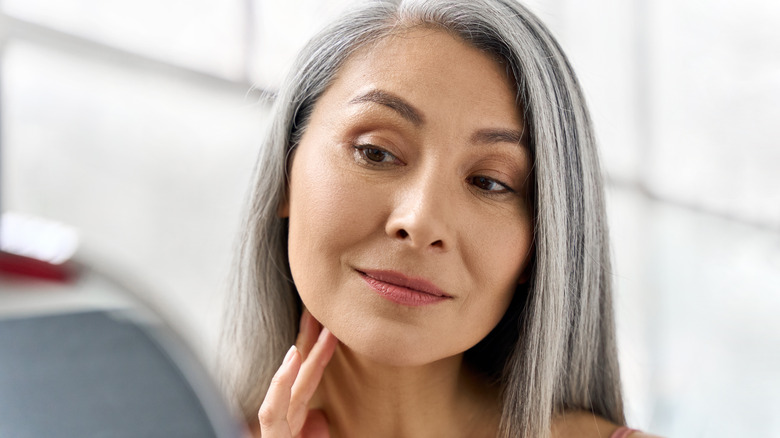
<point x="395" y="356"/>
<point x="394" y="350"/>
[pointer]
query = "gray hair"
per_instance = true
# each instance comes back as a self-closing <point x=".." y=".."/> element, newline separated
<point x="554" y="350"/>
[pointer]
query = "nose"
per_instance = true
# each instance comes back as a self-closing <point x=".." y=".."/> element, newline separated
<point x="421" y="215"/>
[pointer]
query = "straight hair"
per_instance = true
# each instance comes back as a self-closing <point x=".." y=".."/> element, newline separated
<point x="554" y="350"/>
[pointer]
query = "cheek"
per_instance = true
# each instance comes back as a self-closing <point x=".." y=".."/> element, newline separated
<point x="330" y="215"/>
<point x="500" y="246"/>
<point x="498" y="258"/>
<point x="315" y="210"/>
<point x="325" y="202"/>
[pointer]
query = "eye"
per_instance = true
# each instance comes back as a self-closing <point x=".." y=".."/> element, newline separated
<point x="374" y="155"/>
<point x="490" y="185"/>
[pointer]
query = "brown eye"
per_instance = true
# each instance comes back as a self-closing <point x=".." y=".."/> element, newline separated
<point x="374" y="155"/>
<point x="489" y="185"/>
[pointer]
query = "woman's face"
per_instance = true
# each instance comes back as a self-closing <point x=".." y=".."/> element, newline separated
<point x="409" y="227"/>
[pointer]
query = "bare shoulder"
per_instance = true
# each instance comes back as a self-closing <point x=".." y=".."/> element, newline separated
<point x="581" y="424"/>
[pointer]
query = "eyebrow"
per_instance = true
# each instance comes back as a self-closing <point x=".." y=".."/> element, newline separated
<point x="410" y="113"/>
<point x="402" y="107"/>
<point x="499" y="135"/>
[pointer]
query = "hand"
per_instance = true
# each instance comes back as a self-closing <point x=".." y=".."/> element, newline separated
<point x="285" y="410"/>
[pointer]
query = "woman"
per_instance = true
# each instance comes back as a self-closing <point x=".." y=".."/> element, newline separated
<point x="429" y="209"/>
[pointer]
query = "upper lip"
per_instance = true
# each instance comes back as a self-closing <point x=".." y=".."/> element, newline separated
<point x="399" y="279"/>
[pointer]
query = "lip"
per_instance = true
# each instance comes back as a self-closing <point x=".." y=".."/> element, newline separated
<point x="402" y="289"/>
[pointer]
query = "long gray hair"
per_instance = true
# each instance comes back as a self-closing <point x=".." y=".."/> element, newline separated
<point x="554" y="350"/>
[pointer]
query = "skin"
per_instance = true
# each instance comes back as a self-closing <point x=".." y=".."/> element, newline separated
<point x="413" y="161"/>
<point x="371" y="189"/>
<point x="286" y="411"/>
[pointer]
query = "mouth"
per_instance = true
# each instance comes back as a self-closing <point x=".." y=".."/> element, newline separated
<point x="402" y="289"/>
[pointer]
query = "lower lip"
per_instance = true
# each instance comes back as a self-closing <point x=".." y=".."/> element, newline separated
<point x="401" y="295"/>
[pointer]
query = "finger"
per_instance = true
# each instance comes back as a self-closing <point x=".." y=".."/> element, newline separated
<point x="307" y="334"/>
<point x="273" y="412"/>
<point x="309" y="378"/>
<point x="316" y="425"/>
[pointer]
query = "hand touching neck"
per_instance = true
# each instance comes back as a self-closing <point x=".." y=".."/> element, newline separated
<point x="363" y="398"/>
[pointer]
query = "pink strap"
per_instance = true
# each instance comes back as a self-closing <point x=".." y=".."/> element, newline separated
<point x="622" y="432"/>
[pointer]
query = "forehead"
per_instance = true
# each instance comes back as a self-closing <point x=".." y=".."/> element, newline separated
<point x="433" y="70"/>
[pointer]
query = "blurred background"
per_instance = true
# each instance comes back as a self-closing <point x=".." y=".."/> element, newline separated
<point x="136" y="123"/>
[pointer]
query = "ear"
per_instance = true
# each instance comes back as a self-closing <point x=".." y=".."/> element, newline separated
<point x="283" y="211"/>
<point x="284" y="208"/>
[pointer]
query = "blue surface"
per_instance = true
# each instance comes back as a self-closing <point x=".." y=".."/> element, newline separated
<point x="91" y="375"/>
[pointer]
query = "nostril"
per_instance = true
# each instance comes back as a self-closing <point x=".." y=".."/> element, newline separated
<point x="438" y="244"/>
<point x="403" y="234"/>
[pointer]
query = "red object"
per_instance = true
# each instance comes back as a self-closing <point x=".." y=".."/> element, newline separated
<point x="30" y="267"/>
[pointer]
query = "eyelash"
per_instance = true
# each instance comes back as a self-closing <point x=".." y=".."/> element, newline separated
<point x="505" y="189"/>
<point x="362" y="150"/>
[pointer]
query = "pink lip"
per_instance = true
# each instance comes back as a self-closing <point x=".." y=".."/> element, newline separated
<point x="402" y="289"/>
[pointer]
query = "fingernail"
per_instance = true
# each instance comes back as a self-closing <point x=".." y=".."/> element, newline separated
<point x="288" y="357"/>
<point x="323" y="334"/>
<point x="305" y="321"/>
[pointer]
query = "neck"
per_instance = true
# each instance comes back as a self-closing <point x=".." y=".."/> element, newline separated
<point x="363" y="398"/>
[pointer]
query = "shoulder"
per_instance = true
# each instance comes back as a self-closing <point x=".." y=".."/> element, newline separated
<point x="581" y="424"/>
